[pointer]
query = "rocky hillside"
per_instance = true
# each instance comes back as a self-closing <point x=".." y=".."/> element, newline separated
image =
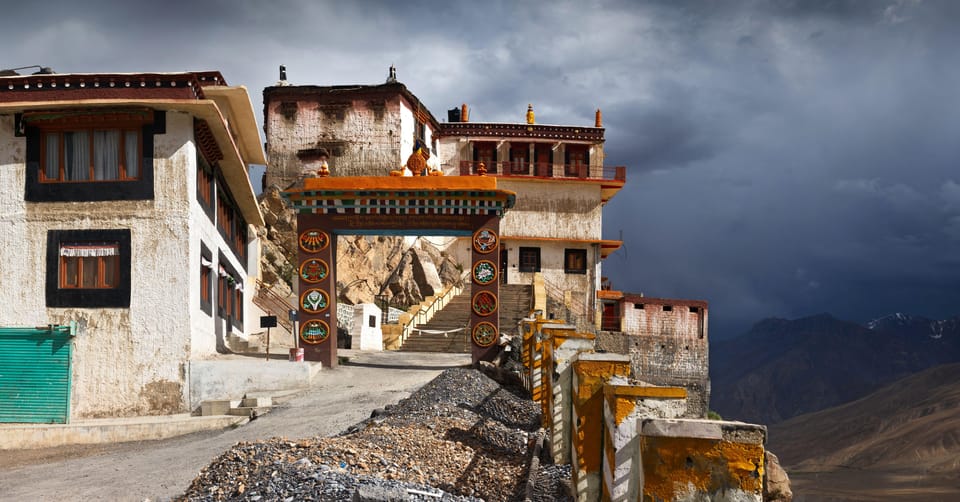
<point x="367" y="266"/>
<point x="784" y="368"/>
<point x="902" y="441"/>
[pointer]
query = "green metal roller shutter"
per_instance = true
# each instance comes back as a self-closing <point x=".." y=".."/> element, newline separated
<point x="35" y="374"/>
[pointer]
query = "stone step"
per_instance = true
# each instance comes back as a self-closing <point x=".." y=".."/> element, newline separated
<point x="249" y="411"/>
<point x="218" y="407"/>
<point x="256" y="402"/>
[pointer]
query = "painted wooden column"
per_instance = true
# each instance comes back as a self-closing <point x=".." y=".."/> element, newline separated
<point x="317" y="305"/>
<point x="485" y="288"/>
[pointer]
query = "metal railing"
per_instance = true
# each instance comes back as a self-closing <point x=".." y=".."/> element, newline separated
<point x="544" y="170"/>
<point x="272" y="303"/>
<point x="428" y="310"/>
<point x="576" y="312"/>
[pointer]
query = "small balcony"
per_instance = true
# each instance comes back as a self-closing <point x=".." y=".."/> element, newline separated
<point x="544" y="170"/>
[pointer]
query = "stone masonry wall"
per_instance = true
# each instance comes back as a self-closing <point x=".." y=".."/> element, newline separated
<point x="667" y="344"/>
<point x="361" y="135"/>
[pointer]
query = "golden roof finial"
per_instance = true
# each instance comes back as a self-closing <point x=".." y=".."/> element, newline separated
<point x="530" y="113"/>
<point x="599" y="121"/>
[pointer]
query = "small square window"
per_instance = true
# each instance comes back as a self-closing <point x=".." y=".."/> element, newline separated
<point x="638" y="306"/>
<point x="89" y="265"/>
<point x="529" y="259"/>
<point x="694" y="309"/>
<point x="575" y="261"/>
<point x="668" y="308"/>
<point x="88" y="268"/>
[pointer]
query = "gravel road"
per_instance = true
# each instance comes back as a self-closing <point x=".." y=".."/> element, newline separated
<point x="161" y="470"/>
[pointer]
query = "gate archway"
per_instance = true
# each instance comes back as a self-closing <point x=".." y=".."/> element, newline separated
<point x="434" y="205"/>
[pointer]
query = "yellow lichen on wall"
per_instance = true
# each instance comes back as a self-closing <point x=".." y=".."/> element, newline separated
<point x="546" y="385"/>
<point x="591" y="375"/>
<point x="622" y="399"/>
<point x="671" y="466"/>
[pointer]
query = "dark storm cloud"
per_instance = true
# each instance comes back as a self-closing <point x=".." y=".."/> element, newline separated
<point x="784" y="157"/>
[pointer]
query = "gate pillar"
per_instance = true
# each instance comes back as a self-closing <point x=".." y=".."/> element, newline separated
<point x="317" y="295"/>
<point x="484" y="330"/>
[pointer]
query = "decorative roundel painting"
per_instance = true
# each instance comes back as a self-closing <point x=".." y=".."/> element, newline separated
<point x="314" y="331"/>
<point x="484" y="303"/>
<point x="484" y="334"/>
<point x="485" y="240"/>
<point x="314" y="301"/>
<point x="314" y="270"/>
<point x="484" y="272"/>
<point x="314" y="241"/>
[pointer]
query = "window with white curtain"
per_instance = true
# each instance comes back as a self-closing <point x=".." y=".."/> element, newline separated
<point x="89" y="265"/>
<point x="91" y="155"/>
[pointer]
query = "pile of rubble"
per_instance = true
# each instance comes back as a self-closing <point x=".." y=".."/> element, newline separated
<point x="460" y="437"/>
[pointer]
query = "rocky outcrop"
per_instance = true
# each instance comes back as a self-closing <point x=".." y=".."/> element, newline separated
<point x="776" y="483"/>
<point x="367" y="266"/>
<point x="418" y="274"/>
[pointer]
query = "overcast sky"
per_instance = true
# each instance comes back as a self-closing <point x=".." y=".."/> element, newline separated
<point x="784" y="158"/>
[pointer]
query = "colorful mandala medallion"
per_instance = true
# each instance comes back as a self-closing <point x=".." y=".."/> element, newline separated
<point x="314" y="241"/>
<point x="314" y="301"/>
<point x="314" y="331"/>
<point x="484" y="272"/>
<point x="484" y="334"/>
<point x="484" y="303"/>
<point x="314" y="271"/>
<point x="485" y="240"/>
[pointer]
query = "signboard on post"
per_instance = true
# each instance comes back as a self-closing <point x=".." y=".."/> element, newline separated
<point x="268" y="321"/>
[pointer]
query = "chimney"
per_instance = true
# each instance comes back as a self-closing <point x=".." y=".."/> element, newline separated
<point x="464" y="113"/>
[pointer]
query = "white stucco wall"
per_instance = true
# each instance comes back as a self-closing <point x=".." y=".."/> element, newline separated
<point x="126" y="361"/>
<point x="553" y="209"/>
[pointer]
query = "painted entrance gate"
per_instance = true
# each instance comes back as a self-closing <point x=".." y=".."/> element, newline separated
<point x="35" y="374"/>
<point x="430" y="205"/>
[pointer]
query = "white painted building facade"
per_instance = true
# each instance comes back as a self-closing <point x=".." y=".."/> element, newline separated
<point x="124" y="252"/>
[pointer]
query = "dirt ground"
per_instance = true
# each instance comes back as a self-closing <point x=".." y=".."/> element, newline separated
<point x="876" y="485"/>
<point x="160" y="470"/>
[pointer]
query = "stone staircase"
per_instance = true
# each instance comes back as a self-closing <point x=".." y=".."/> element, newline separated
<point x="454" y="315"/>
<point x="516" y="300"/>
<point x="514" y="305"/>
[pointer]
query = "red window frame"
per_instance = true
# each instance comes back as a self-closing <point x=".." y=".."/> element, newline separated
<point x="60" y="129"/>
<point x="95" y="267"/>
<point x="205" y="284"/>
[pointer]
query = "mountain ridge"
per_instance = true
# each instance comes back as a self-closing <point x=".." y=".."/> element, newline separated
<point x="782" y="368"/>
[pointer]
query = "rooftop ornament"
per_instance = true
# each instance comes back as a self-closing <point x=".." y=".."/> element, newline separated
<point x="41" y="70"/>
<point x="530" y="113"/>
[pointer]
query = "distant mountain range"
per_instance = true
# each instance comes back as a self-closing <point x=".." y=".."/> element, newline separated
<point x="901" y="442"/>
<point x="783" y="368"/>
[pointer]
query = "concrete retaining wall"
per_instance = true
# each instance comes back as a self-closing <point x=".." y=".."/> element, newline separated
<point x="231" y="379"/>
